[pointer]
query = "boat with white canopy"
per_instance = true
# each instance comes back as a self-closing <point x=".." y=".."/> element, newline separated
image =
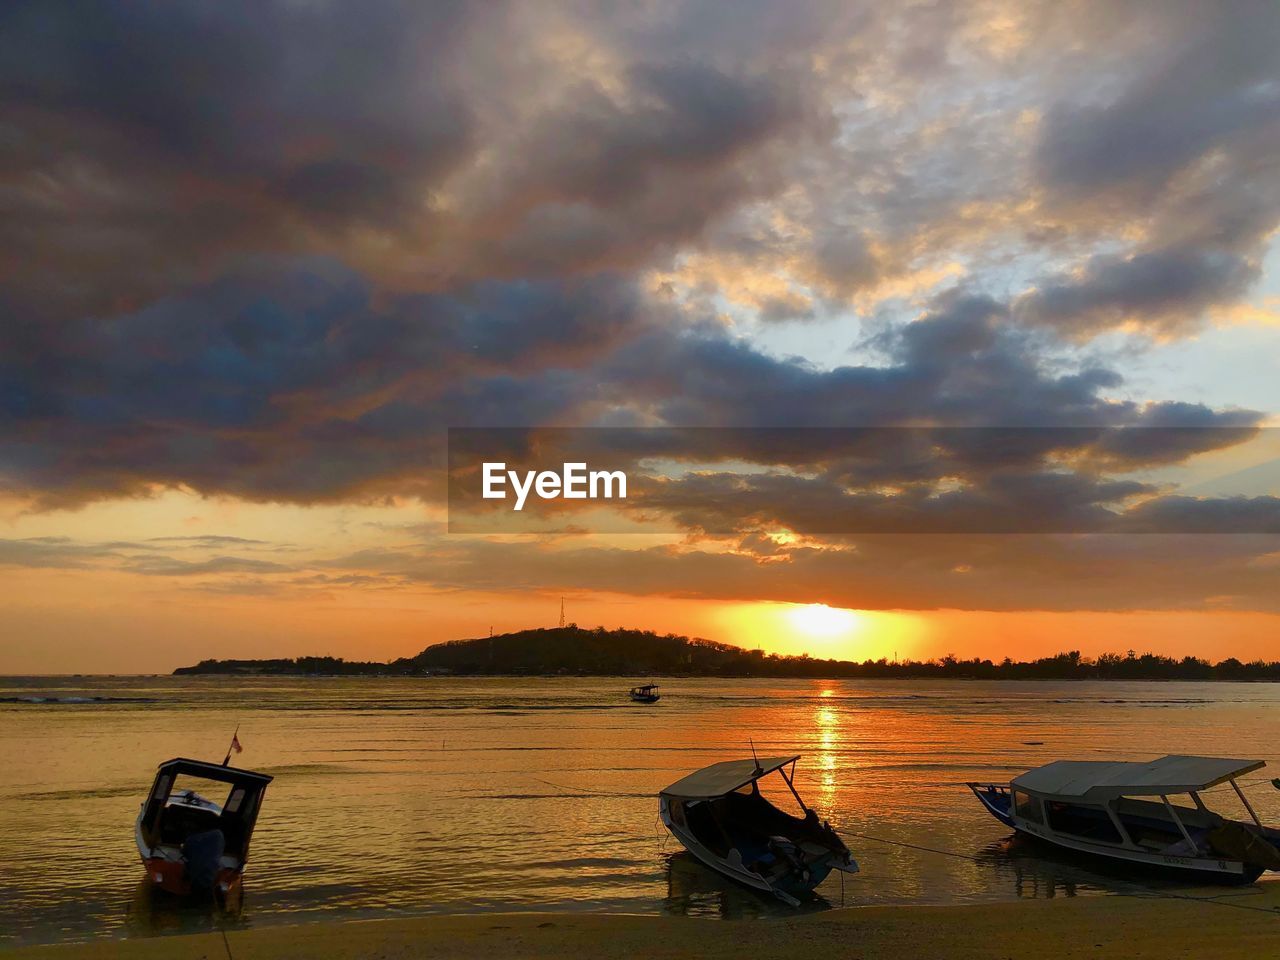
<point x="1124" y="812"/>
<point x="721" y="817"/>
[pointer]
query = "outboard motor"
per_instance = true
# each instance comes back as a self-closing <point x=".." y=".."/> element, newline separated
<point x="203" y="855"/>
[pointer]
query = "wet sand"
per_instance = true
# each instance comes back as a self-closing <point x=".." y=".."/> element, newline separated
<point x="1236" y="923"/>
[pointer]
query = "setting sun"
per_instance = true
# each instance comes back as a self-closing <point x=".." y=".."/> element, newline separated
<point x="821" y="622"/>
<point x="821" y="630"/>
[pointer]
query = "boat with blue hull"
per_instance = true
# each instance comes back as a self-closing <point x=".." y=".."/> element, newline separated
<point x="1123" y="812"/>
<point x="721" y="817"/>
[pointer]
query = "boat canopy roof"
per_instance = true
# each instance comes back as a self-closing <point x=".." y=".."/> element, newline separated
<point x="213" y="771"/>
<point x="725" y="777"/>
<point x="1104" y="780"/>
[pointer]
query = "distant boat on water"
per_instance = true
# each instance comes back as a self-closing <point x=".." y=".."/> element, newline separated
<point x="193" y="845"/>
<point x="645" y="694"/>
<point x="720" y="816"/>
<point x="1122" y="812"/>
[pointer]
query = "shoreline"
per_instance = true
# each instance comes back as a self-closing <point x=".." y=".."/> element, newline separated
<point x="1233" y="924"/>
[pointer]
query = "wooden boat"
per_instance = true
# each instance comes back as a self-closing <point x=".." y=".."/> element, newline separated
<point x="1107" y="809"/>
<point x="720" y="816"/>
<point x="646" y="694"/>
<point x="193" y="845"/>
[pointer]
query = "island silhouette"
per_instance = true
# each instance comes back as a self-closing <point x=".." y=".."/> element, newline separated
<point x="574" y="650"/>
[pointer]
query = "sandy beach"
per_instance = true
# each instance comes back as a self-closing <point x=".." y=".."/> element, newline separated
<point x="1242" y="923"/>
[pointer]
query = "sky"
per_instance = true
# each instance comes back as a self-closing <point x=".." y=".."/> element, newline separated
<point x="257" y="258"/>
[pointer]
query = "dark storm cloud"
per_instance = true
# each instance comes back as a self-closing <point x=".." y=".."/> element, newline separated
<point x="677" y="115"/>
<point x="1206" y="515"/>
<point x="830" y="481"/>
<point x="608" y="178"/>
<point x="958" y="365"/>
<point x="1183" y="143"/>
<point x="1002" y="502"/>
<point x="293" y="384"/>
<point x="147" y="147"/>
<point x="238" y="86"/>
<point x="273" y="250"/>
<point x="146" y="144"/>
<point x="1204" y="80"/>
<point x="300" y="385"/>
<point x="1168" y="290"/>
<point x="1171" y="432"/>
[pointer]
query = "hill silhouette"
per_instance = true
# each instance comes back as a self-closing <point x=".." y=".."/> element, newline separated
<point x="578" y="651"/>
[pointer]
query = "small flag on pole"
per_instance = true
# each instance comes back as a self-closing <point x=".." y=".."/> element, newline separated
<point x="235" y="746"/>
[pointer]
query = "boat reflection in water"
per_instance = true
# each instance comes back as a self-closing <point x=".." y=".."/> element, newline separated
<point x="1033" y="875"/>
<point x="695" y="890"/>
<point x="153" y="912"/>
<point x="1037" y="870"/>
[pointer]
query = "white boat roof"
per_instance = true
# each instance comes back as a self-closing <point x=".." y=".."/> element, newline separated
<point x="1100" y="780"/>
<point x="725" y="777"/>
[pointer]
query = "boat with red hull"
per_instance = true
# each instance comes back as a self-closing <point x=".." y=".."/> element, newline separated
<point x="192" y="845"/>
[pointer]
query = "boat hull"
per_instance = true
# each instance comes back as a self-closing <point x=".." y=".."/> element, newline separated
<point x="788" y="889"/>
<point x="1182" y="872"/>
<point x="994" y="797"/>
<point x="996" y="801"/>
<point x="171" y="877"/>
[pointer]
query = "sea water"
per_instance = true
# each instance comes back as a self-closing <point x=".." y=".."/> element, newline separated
<point x="452" y="795"/>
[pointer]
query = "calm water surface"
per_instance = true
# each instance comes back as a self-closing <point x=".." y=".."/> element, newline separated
<point x="458" y="795"/>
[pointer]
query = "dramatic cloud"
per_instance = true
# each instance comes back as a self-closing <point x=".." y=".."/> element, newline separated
<point x="1168" y="290"/>
<point x="293" y="384"/>
<point x="272" y="251"/>
<point x="147" y="146"/>
<point x="1181" y="143"/>
<point x="874" y="572"/>
<point x="298" y="386"/>
<point x="1197" y="83"/>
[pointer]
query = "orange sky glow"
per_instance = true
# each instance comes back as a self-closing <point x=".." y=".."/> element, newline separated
<point x="90" y="620"/>
<point x="811" y="260"/>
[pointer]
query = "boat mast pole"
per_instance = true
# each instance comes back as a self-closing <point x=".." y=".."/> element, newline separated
<point x="1247" y="805"/>
<point x="795" y="793"/>
<point x="231" y="746"/>
<point x="1178" y="820"/>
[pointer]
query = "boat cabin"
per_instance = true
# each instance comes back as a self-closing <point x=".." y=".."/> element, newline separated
<point x="179" y="825"/>
<point x="1152" y="812"/>
<point x="723" y="819"/>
